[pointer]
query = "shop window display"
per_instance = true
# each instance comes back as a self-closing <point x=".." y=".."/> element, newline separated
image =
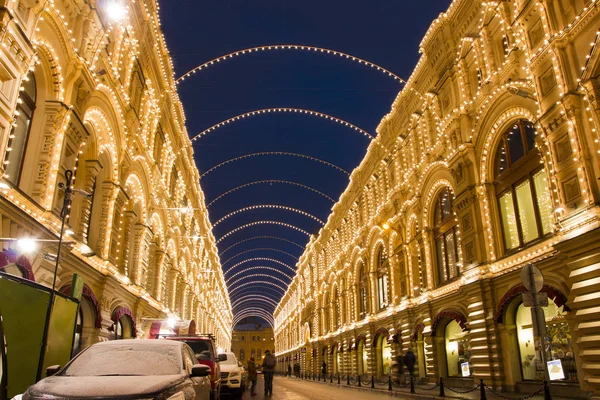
<point x="386" y="357"/>
<point x="559" y="345"/>
<point x="458" y="351"/>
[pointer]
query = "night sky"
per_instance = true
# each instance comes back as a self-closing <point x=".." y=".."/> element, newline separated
<point x="385" y="32"/>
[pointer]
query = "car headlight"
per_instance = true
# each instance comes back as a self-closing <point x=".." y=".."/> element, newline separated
<point x="234" y="374"/>
<point x="18" y="397"/>
<point x="177" y="396"/>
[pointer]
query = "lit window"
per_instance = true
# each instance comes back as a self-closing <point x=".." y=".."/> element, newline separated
<point x="20" y="131"/>
<point x="363" y="291"/>
<point x="521" y="184"/>
<point x="382" y="280"/>
<point x="446" y="243"/>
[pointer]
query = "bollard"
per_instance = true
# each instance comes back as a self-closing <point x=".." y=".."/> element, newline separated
<point x="412" y="384"/>
<point x="339" y="381"/>
<point x="482" y="395"/>
<point x="372" y="382"/>
<point x="390" y="383"/>
<point x="359" y="385"/>
<point x="442" y="390"/>
<point x="547" y="395"/>
<point x="348" y="380"/>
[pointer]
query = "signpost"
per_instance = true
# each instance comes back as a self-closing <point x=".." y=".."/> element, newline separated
<point x="533" y="280"/>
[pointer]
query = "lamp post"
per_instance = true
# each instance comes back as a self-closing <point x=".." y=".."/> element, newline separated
<point x="64" y="212"/>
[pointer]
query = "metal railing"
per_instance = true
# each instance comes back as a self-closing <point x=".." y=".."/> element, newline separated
<point x="391" y="384"/>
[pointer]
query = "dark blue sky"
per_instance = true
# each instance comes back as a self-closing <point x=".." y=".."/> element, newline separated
<point x="385" y="32"/>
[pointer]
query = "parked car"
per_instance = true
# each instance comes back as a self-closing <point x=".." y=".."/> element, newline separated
<point x="206" y="354"/>
<point x="142" y="369"/>
<point x="233" y="376"/>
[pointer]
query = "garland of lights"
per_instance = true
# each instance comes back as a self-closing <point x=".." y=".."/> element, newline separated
<point x="259" y="259"/>
<point x="282" y="110"/>
<point x="255" y="283"/>
<point x="254" y="297"/>
<point x="261" y="237"/>
<point x="272" y="206"/>
<point x="254" y="268"/>
<point x="275" y="153"/>
<point x="254" y="311"/>
<point x="259" y="249"/>
<point x="288" y="47"/>
<point x="239" y="280"/>
<point x="269" y="181"/>
<point x="244" y="305"/>
<point x="249" y="290"/>
<point x="261" y="223"/>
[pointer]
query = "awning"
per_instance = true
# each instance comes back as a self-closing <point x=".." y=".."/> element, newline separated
<point x="10" y="259"/>
<point x="119" y="312"/>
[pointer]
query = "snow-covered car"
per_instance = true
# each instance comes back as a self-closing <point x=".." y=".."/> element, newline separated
<point x="127" y="369"/>
<point x="233" y="376"/>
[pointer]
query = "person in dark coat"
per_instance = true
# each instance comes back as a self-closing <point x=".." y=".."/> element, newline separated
<point x="268" y="368"/>
<point x="324" y="368"/>
<point x="252" y="375"/>
<point x="410" y="360"/>
<point x="289" y="369"/>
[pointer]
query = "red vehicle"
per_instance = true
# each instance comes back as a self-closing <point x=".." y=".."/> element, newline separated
<point x="206" y="353"/>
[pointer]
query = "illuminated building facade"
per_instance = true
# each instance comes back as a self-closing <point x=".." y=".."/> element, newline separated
<point x="89" y="87"/>
<point x="251" y="340"/>
<point x="487" y="161"/>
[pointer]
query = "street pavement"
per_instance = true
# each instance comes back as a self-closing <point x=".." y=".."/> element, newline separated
<point x="289" y="388"/>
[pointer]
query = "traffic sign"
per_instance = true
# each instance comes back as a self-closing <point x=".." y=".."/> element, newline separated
<point x="532" y="278"/>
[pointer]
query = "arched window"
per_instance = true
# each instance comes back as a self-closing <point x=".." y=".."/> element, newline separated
<point x="335" y="309"/>
<point x="326" y="314"/>
<point x="383" y="296"/>
<point x="20" y="131"/>
<point x="521" y="185"/>
<point x="363" y="291"/>
<point x="446" y="244"/>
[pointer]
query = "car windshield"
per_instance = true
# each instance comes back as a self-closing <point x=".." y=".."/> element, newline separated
<point x="201" y="349"/>
<point x="230" y="360"/>
<point x="127" y="360"/>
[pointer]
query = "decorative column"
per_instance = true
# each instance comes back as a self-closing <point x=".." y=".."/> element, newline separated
<point x="92" y="168"/>
<point x="138" y="260"/>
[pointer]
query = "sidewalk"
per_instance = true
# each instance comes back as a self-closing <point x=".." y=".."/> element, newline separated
<point x="421" y="392"/>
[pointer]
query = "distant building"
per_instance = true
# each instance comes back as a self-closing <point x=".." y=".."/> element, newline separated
<point x="252" y="340"/>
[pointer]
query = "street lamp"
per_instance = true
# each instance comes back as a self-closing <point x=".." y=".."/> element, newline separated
<point x="69" y="192"/>
<point x="115" y="11"/>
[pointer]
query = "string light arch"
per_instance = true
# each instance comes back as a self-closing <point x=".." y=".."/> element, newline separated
<point x="251" y="224"/>
<point x="275" y="153"/>
<point x="287" y="110"/>
<point x="261" y="238"/>
<point x="260" y="259"/>
<point x="257" y="282"/>
<point x="288" y="47"/>
<point x="270" y="182"/>
<point x="268" y="206"/>
<point x="261" y="267"/>
<point x="253" y="297"/>
<point x="258" y="249"/>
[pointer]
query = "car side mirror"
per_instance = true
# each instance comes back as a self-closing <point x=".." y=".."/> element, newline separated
<point x="222" y="357"/>
<point x="52" y="370"/>
<point x="200" y="370"/>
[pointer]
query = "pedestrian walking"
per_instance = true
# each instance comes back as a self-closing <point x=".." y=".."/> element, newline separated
<point x="324" y="368"/>
<point x="290" y="370"/>
<point x="409" y="360"/>
<point x="297" y="370"/>
<point x="252" y="376"/>
<point x="268" y="367"/>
